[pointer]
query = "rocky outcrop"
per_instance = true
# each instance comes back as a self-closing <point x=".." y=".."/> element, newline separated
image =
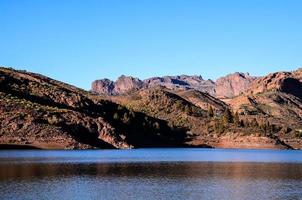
<point x="286" y="82"/>
<point x="122" y="85"/>
<point x="225" y="87"/>
<point x="232" y="85"/>
<point x="126" y="84"/>
<point x="182" y="82"/>
<point x="104" y="86"/>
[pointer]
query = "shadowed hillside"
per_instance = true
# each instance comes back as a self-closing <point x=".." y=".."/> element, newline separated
<point x="40" y="111"/>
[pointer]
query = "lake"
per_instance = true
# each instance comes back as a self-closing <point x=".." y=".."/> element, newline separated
<point x="190" y="173"/>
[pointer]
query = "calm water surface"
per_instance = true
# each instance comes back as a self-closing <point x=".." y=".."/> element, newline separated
<point x="151" y="174"/>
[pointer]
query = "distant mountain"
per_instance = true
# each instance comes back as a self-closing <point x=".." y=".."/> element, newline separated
<point x="233" y="85"/>
<point x="122" y="85"/>
<point x="236" y="111"/>
<point x="182" y="82"/>
<point x="126" y="84"/>
<point x="225" y="87"/>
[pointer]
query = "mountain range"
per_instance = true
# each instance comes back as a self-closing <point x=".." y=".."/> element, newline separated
<point x="224" y="87"/>
<point x="235" y="111"/>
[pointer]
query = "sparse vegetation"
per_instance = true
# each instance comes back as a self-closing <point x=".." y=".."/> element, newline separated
<point x="33" y="106"/>
<point x="210" y="112"/>
<point x="227" y="117"/>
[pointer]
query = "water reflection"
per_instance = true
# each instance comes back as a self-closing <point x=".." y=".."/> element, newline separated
<point x="171" y="170"/>
<point x="152" y="180"/>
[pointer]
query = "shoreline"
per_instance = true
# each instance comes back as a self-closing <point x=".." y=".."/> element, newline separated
<point x="35" y="147"/>
<point x="18" y="146"/>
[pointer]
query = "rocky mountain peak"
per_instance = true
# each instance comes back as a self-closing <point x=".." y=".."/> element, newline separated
<point x="225" y="87"/>
<point x="103" y="86"/>
<point x="279" y="81"/>
<point x="126" y="83"/>
<point x="122" y="85"/>
<point x="233" y="84"/>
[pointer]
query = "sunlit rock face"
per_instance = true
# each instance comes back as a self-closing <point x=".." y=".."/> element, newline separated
<point x="182" y="82"/>
<point x="286" y="82"/>
<point x="122" y="85"/>
<point x="233" y="85"/>
<point x="104" y="86"/>
<point x="125" y="84"/>
<point x="225" y="87"/>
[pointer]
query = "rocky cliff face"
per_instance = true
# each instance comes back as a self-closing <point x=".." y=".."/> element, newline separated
<point x="104" y="86"/>
<point x="286" y="82"/>
<point x="182" y="82"/>
<point x="232" y="85"/>
<point x="225" y="87"/>
<point x="122" y="85"/>
<point x="126" y="84"/>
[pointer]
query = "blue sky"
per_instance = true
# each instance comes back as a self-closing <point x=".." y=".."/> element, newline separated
<point x="79" y="41"/>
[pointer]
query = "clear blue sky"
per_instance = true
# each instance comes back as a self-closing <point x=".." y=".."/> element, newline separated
<point x="79" y="41"/>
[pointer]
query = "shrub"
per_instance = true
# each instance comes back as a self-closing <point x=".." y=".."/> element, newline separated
<point x="116" y="116"/>
<point x="236" y="119"/>
<point x="219" y="127"/>
<point x="227" y="117"/>
<point x="53" y="120"/>
<point x="120" y="107"/>
<point x="254" y="123"/>
<point x="126" y="118"/>
<point x="210" y="112"/>
<point x="156" y="125"/>
<point x="298" y="133"/>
